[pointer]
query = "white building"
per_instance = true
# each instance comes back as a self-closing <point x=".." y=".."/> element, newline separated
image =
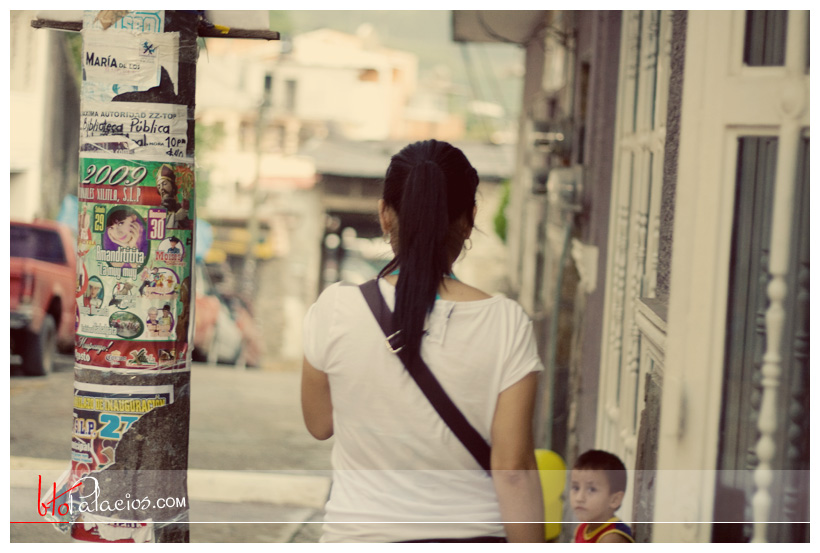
<point x="44" y="120"/>
<point x="262" y="101"/>
<point x="325" y="82"/>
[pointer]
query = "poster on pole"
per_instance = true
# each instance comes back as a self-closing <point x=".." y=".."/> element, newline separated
<point x="134" y="130"/>
<point x="142" y="21"/>
<point x="102" y="414"/>
<point x="116" y="70"/>
<point x="135" y="249"/>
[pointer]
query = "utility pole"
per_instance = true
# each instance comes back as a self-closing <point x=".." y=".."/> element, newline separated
<point x="135" y="289"/>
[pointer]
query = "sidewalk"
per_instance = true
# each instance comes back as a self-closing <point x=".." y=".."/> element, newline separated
<point x="225" y="506"/>
<point x="253" y="465"/>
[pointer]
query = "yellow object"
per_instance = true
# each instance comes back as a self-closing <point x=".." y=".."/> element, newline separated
<point x="215" y="256"/>
<point x="553" y="471"/>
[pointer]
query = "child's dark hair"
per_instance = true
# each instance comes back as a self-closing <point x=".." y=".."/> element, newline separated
<point x="431" y="187"/>
<point x="613" y="467"/>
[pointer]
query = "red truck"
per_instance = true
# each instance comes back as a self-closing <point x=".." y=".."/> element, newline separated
<point x="43" y="300"/>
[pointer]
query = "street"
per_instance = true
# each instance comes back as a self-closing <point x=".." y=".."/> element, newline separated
<point x="255" y="474"/>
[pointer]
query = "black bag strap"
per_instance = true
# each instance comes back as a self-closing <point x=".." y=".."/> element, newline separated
<point x="425" y="379"/>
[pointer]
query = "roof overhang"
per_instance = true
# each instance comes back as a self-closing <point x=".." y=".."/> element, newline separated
<point x="516" y="26"/>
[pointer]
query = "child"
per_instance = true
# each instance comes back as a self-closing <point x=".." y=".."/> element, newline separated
<point x="597" y="487"/>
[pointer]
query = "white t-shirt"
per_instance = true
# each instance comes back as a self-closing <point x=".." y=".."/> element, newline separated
<point x="394" y="459"/>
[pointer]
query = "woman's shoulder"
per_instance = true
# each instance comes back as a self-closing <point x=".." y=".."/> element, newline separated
<point x="331" y="293"/>
<point x="339" y="295"/>
<point x="457" y="291"/>
<point x="500" y="309"/>
<point x="460" y="292"/>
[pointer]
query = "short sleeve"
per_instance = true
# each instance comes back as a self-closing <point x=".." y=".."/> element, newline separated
<point x="523" y="357"/>
<point x="316" y="328"/>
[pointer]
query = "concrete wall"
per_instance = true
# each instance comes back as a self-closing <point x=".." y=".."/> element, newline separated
<point x="646" y="463"/>
<point x="670" y="166"/>
<point x="287" y="284"/>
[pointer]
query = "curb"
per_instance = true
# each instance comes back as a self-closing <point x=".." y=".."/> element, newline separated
<point x="203" y="485"/>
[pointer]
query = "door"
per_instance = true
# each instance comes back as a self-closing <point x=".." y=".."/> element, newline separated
<point x="734" y="411"/>
<point x="632" y="264"/>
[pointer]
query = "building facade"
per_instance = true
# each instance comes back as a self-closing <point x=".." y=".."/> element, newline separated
<point x="660" y="242"/>
<point x="44" y="119"/>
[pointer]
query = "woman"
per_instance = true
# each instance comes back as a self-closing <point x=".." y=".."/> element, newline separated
<point x="395" y="460"/>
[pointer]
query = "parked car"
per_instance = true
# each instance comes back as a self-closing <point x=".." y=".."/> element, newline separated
<point x="42" y="293"/>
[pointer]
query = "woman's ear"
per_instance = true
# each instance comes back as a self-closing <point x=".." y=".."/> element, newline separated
<point x="385" y="217"/>
<point x="468" y="228"/>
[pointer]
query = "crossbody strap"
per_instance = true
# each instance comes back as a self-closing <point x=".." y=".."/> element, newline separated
<point x="425" y="380"/>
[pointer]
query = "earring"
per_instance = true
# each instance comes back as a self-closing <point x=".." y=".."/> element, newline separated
<point x="468" y="244"/>
<point x="386" y="237"/>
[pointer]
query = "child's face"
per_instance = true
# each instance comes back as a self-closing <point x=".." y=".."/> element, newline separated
<point x="590" y="497"/>
<point x="125" y="232"/>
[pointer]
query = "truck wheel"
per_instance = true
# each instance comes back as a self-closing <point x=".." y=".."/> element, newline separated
<point x="39" y="350"/>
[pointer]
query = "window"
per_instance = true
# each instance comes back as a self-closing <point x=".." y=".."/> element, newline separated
<point x="35" y="243"/>
<point x="765" y="42"/>
<point x="267" y="97"/>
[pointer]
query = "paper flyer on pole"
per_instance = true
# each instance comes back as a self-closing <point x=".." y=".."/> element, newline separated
<point x="114" y="70"/>
<point x="143" y="131"/>
<point x="135" y="249"/>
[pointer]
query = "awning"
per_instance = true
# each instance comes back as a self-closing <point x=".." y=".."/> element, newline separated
<point x="516" y="26"/>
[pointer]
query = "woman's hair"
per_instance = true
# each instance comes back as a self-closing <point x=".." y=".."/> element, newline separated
<point x="431" y="187"/>
<point x="117" y="215"/>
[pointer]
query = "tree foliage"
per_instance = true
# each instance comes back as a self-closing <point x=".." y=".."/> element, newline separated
<point x="500" y="219"/>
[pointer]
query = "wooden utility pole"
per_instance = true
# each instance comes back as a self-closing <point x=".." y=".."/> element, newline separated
<point x="135" y="289"/>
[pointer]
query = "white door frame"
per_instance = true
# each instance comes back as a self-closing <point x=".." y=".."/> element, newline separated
<point x="634" y="224"/>
<point x="722" y="100"/>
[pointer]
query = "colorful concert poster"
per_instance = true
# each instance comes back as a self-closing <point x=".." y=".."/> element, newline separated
<point x="102" y="414"/>
<point x="134" y="270"/>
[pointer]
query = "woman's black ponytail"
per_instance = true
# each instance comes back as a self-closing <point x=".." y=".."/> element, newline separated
<point x="422" y="241"/>
<point x="431" y="187"/>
